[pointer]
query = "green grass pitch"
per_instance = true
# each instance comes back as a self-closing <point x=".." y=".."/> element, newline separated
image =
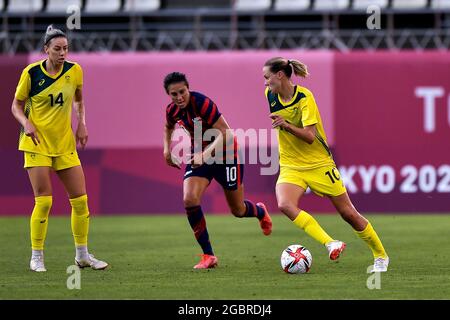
<point x="151" y="257"/>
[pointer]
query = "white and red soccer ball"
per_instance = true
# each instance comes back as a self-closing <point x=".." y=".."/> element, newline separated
<point x="296" y="259"/>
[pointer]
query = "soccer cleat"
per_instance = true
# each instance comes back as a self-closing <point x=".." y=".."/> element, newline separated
<point x="37" y="264"/>
<point x="335" y="248"/>
<point x="207" y="261"/>
<point x="266" y="221"/>
<point x="380" y="264"/>
<point x="90" y="261"/>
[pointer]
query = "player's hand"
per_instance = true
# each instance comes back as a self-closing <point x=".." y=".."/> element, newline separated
<point x="30" y="131"/>
<point x="172" y="161"/>
<point x="278" y="121"/>
<point x="82" y="135"/>
<point x="196" y="159"/>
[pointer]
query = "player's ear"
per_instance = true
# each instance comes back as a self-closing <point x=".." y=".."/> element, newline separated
<point x="46" y="48"/>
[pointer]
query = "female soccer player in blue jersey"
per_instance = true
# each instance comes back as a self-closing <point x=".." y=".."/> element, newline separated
<point x="191" y="109"/>
<point x="43" y="107"/>
<point x="306" y="160"/>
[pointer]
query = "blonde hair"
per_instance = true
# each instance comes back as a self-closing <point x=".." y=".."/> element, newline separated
<point x="287" y="66"/>
<point x="52" y="33"/>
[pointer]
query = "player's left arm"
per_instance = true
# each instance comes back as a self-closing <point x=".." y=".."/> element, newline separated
<point x="82" y="132"/>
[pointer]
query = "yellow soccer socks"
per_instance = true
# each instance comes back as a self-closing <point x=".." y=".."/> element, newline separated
<point x="369" y="236"/>
<point x="80" y="220"/>
<point x="306" y="222"/>
<point x="39" y="221"/>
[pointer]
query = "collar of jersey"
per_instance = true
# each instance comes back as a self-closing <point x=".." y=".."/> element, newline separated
<point x="290" y="101"/>
<point x="49" y="75"/>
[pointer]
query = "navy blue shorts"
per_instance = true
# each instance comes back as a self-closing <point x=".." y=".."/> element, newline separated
<point x="229" y="176"/>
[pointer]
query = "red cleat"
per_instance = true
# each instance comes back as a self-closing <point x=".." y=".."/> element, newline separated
<point x="206" y="262"/>
<point x="266" y="221"/>
<point x="335" y="248"/>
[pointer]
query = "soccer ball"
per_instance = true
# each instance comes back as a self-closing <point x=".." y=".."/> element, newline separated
<point x="296" y="259"/>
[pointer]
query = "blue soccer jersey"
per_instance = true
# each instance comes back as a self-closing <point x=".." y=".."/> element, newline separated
<point x="200" y="109"/>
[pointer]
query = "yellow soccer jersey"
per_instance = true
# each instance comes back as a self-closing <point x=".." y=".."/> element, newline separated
<point x="301" y="111"/>
<point x="49" y="107"/>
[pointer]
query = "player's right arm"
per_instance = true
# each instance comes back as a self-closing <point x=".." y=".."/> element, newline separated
<point x="307" y="133"/>
<point x="168" y="131"/>
<point x="18" y="105"/>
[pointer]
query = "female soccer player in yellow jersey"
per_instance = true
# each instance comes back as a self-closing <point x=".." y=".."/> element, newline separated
<point x="43" y="106"/>
<point x="306" y="160"/>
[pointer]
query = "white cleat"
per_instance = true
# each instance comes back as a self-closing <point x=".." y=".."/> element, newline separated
<point x="380" y="265"/>
<point x="37" y="264"/>
<point x="91" y="262"/>
<point x="335" y="248"/>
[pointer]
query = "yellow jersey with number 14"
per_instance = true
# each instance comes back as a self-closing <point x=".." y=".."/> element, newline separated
<point x="301" y="111"/>
<point x="49" y="107"/>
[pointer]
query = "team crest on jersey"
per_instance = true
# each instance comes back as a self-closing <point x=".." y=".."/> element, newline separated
<point x="41" y="82"/>
<point x="67" y="78"/>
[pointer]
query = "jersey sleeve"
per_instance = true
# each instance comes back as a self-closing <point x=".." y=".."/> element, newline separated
<point x="24" y="86"/>
<point x="207" y="110"/>
<point x="79" y="76"/>
<point x="169" y="115"/>
<point x="309" y="111"/>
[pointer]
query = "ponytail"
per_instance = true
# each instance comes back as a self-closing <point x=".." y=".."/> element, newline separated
<point x="300" y="69"/>
<point x="287" y="66"/>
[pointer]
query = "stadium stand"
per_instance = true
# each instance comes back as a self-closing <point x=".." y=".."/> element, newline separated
<point x="141" y="5"/>
<point x="251" y="5"/>
<point x="102" y="6"/>
<point x="291" y="5"/>
<point x="24" y="6"/>
<point x="331" y="4"/>
<point x="155" y="25"/>
<point x="60" y="6"/>
<point x="409" y="4"/>
<point x="440" y="4"/>
<point x="364" y="4"/>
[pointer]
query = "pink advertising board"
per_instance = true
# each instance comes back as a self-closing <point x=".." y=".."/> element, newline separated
<point x="386" y="115"/>
<point x="392" y="129"/>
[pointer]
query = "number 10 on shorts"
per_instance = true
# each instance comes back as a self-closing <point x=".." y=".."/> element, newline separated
<point x="334" y="176"/>
<point x="231" y="174"/>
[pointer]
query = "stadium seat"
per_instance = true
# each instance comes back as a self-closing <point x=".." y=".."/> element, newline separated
<point x="291" y="5"/>
<point x="331" y="4"/>
<point x="409" y="4"/>
<point x="24" y="6"/>
<point x="102" y="6"/>
<point x="141" y="5"/>
<point x="364" y="4"/>
<point x="249" y="5"/>
<point x="60" y="6"/>
<point x="440" y="4"/>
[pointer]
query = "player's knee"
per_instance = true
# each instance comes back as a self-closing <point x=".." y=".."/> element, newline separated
<point x="286" y="207"/>
<point x="44" y="203"/>
<point x="41" y="191"/>
<point x="191" y="201"/>
<point x="79" y="204"/>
